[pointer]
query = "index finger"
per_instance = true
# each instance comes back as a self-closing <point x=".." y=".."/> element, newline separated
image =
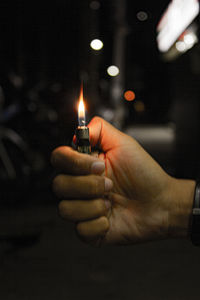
<point x="72" y="162"/>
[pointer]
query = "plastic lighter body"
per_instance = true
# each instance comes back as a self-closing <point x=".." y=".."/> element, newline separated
<point x="83" y="139"/>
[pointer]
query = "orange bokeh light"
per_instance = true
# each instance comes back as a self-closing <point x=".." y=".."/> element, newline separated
<point x="129" y="95"/>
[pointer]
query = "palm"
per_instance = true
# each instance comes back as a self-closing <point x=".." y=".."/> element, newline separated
<point x="131" y="217"/>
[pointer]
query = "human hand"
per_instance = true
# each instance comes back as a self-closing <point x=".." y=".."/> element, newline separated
<point x="123" y="196"/>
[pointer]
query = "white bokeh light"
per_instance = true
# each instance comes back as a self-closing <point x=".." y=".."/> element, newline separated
<point x="175" y="20"/>
<point x="181" y="46"/>
<point x="113" y="70"/>
<point x="190" y="39"/>
<point x="95" y="5"/>
<point x="96" y="44"/>
<point x="142" y="16"/>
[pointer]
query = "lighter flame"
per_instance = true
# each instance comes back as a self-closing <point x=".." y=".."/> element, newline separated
<point x="81" y="109"/>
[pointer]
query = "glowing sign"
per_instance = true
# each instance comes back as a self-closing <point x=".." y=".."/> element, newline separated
<point x="178" y="16"/>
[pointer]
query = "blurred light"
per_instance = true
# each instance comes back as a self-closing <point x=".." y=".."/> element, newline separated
<point x="96" y="44"/>
<point x="56" y="87"/>
<point x="53" y="116"/>
<point x="107" y="114"/>
<point x="139" y="106"/>
<point x="95" y="5"/>
<point x="190" y="39"/>
<point x="142" y="16"/>
<point x="155" y="136"/>
<point x="176" y="18"/>
<point x="181" y="46"/>
<point x="113" y="70"/>
<point x="187" y="42"/>
<point x="129" y="95"/>
<point x="16" y="80"/>
<point x="32" y="107"/>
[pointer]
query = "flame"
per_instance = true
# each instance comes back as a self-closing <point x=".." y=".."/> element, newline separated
<point x="81" y="109"/>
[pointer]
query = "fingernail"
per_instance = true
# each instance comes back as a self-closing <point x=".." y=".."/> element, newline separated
<point x="108" y="184"/>
<point x="98" y="167"/>
<point x="107" y="203"/>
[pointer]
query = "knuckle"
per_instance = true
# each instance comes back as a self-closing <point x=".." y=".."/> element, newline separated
<point x="97" y="186"/>
<point x="100" y="207"/>
<point x="62" y="208"/>
<point x="74" y="162"/>
<point x="79" y="164"/>
<point x="55" y="156"/>
<point x="80" y="228"/>
<point x="104" y="224"/>
<point x="57" y="184"/>
<point x="97" y="119"/>
<point x="65" y="210"/>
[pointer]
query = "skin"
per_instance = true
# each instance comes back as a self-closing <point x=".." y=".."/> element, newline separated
<point x="126" y="198"/>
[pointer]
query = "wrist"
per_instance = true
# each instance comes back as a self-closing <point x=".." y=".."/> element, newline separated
<point x="181" y="196"/>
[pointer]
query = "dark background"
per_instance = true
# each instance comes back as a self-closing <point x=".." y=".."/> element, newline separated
<point x="44" y="57"/>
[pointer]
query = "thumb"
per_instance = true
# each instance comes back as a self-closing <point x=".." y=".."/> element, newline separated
<point x="104" y="135"/>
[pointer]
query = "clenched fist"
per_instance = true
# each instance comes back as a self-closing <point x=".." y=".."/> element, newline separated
<point x="122" y="196"/>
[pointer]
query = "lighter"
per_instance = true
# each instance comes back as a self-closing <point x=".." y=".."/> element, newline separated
<point x="82" y="131"/>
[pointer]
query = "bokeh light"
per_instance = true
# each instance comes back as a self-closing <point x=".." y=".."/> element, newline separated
<point x="189" y="39"/>
<point x="181" y="46"/>
<point x="96" y="44"/>
<point x="142" y="16"/>
<point x="95" y="5"/>
<point x="139" y="106"/>
<point x="129" y="95"/>
<point x="113" y="70"/>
